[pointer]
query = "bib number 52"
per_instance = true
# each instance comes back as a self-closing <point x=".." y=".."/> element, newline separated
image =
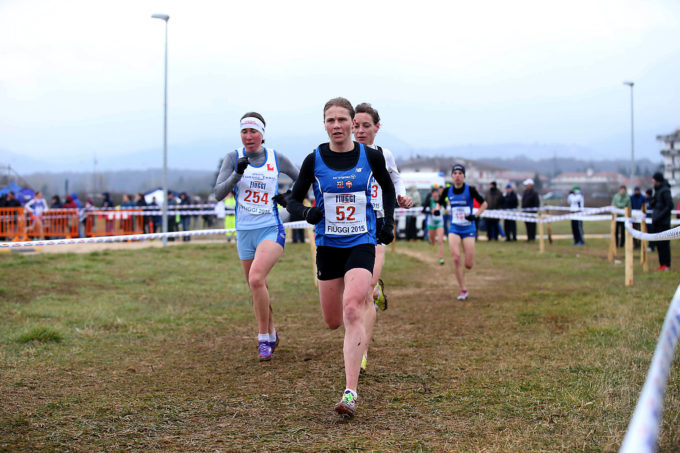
<point x="345" y="213"/>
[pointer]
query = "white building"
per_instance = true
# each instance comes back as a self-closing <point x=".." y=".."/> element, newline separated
<point x="671" y="158"/>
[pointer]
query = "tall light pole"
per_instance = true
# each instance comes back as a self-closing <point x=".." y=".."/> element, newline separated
<point x="165" y="17"/>
<point x="632" y="135"/>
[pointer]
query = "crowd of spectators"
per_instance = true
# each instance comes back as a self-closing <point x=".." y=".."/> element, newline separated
<point x="657" y="200"/>
<point x="37" y="222"/>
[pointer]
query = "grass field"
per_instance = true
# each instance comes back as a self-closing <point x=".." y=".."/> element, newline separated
<point x="155" y="350"/>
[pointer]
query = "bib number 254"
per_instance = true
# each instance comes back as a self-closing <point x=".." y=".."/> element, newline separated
<point x="253" y="196"/>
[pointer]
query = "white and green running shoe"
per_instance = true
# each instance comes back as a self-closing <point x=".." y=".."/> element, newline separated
<point x="381" y="301"/>
<point x="347" y="405"/>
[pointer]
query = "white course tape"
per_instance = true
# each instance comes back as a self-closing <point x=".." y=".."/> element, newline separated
<point x="135" y="237"/>
<point x="643" y="430"/>
<point x="662" y="236"/>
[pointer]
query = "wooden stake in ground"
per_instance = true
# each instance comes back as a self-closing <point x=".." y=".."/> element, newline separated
<point x="541" y="243"/>
<point x="612" y="240"/>
<point x="549" y="233"/>
<point x="644" y="244"/>
<point x="629" y="253"/>
<point x="309" y="232"/>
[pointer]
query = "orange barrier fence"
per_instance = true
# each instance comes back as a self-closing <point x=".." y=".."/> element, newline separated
<point x="114" y="222"/>
<point x="12" y="224"/>
<point x="19" y="224"/>
<point x="54" y="223"/>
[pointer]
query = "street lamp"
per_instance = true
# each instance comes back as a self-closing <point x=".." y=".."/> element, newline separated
<point x="632" y="134"/>
<point x="165" y="17"/>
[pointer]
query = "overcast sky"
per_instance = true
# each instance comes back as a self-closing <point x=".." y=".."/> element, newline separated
<point x="79" y="77"/>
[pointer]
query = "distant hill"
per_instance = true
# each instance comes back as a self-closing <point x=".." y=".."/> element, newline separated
<point x="196" y="182"/>
<point x="547" y="159"/>
<point x="554" y="166"/>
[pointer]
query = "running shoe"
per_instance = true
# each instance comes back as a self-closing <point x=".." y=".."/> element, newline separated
<point x="663" y="268"/>
<point x="463" y="295"/>
<point x="274" y="344"/>
<point x="347" y="405"/>
<point x="441" y="261"/>
<point x="381" y="301"/>
<point x="364" y="362"/>
<point x="264" y="351"/>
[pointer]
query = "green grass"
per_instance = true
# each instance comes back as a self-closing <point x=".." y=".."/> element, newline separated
<point x="154" y="350"/>
<point x="39" y="334"/>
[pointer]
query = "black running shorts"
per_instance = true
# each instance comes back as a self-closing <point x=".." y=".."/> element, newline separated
<point x="334" y="262"/>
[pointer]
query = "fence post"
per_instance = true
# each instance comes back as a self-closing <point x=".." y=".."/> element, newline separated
<point x="541" y="243"/>
<point x="309" y="232"/>
<point x="612" y="240"/>
<point x="629" y="253"/>
<point x="549" y="225"/>
<point x="644" y="244"/>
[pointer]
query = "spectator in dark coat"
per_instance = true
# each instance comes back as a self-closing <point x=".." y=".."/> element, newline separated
<point x="11" y="201"/>
<point x="55" y="202"/>
<point x="494" y="198"/>
<point x="510" y="201"/>
<point x="185" y="219"/>
<point x="531" y="201"/>
<point x="649" y="194"/>
<point x="156" y="219"/>
<point x="172" y="214"/>
<point x="109" y="223"/>
<point x="140" y="202"/>
<point x="662" y="205"/>
<point x="636" y="202"/>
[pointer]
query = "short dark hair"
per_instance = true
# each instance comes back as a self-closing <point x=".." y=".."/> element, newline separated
<point x="254" y="115"/>
<point x="365" y="107"/>
<point x="339" y="102"/>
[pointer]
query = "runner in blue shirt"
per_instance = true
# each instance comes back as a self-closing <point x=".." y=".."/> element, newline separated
<point x="341" y="172"/>
<point x="462" y="229"/>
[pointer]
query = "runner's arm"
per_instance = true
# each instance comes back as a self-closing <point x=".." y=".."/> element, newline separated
<point x="301" y="187"/>
<point x="443" y="196"/>
<point x="391" y="165"/>
<point x="382" y="177"/>
<point x="287" y="167"/>
<point x="480" y="199"/>
<point x="227" y="178"/>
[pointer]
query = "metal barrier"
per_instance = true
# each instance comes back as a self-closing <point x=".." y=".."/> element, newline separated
<point x="114" y="222"/>
<point x="12" y="224"/>
<point x="60" y="223"/>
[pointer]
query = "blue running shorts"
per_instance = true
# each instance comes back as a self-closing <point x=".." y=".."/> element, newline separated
<point x="248" y="240"/>
<point x="463" y="232"/>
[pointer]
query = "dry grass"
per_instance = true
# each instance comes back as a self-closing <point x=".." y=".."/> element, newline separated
<point x="158" y="354"/>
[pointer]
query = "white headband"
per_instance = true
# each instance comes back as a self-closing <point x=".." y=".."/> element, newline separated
<point x="250" y="122"/>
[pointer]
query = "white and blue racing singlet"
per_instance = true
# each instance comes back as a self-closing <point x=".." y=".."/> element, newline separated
<point x="461" y="206"/>
<point x="344" y="196"/>
<point x="254" y="193"/>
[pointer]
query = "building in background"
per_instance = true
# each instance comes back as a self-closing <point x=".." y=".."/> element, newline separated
<point x="671" y="159"/>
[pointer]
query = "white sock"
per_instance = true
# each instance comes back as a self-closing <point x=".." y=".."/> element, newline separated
<point x="262" y="337"/>
<point x="354" y="394"/>
<point x="272" y="337"/>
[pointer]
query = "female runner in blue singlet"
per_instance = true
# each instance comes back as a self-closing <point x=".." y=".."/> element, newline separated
<point x="341" y="172"/>
<point x="462" y="229"/>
